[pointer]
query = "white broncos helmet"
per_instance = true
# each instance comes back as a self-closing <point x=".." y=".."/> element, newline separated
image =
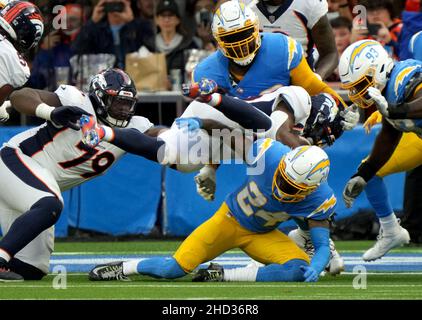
<point x="236" y="29"/>
<point x="299" y="173"/>
<point x="362" y="65"/>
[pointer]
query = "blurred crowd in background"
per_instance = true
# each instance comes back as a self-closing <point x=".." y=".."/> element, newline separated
<point x="84" y="36"/>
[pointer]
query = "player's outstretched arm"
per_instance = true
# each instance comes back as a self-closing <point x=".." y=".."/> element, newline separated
<point x="304" y="77"/>
<point x="384" y="147"/>
<point x="130" y="140"/>
<point x="237" y="110"/>
<point x="46" y="105"/>
<point x="27" y="100"/>
<point x="320" y="237"/>
<point x="325" y="43"/>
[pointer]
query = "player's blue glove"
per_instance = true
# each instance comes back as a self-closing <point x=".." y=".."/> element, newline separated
<point x="92" y="132"/>
<point x="68" y="116"/>
<point x="310" y="274"/>
<point x="201" y="90"/>
<point x="191" y="124"/>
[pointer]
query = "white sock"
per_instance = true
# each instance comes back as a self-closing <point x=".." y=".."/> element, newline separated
<point x="389" y="223"/>
<point x="241" y="274"/>
<point x="4" y="255"/>
<point x="304" y="233"/>
<point x="131" y="267"/>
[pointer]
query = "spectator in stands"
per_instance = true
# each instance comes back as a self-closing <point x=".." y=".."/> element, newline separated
<point x="146" y="9"/>
<point x="307" y="23"/>
<point x="340" y="8"/>
<point x="203" y="13"/>
<point x="412" y="23"/>
<point x="51" y="64"/>
<point x="381" y="25"/>
<point x="170" y="39"/>
<point x="342" y="28"/>
<point x="112" y="32"/>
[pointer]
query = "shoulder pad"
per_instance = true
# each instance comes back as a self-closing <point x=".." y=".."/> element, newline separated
<point x="411" y="86"/>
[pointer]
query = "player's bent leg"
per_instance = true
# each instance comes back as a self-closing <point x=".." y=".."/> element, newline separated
<point x="407" y="156"/>
<point x="160" y="267"/>
<point x="166" y="268"/>
<point x="391" y="234"/>
<point x="287" y="272"/>
<point x="30" y="204"/>
<point x="280" y="255"/>
<point x="209" y="240"/>
<point x="41" y="216"/>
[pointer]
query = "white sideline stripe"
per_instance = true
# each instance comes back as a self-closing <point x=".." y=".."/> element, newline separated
<point x="404" y="260"/>
<point x="343" y="273"/>
<point x="412" y="251"/>
<point x="221" y="285"/>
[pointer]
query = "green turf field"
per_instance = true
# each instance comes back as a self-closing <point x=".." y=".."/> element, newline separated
<point x="378" y="286"/>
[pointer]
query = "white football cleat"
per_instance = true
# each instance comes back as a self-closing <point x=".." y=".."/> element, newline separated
<point x="303" y="240"/>
<point x="336" y="264"/>
<point x="386" y="242"/>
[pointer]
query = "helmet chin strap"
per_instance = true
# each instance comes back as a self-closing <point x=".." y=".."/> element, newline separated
<point x="117" y="123"/>
<point x="244" y="62"/>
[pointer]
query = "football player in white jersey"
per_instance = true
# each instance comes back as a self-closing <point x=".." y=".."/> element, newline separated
<point x="38" y="164"/>
<point x="305" y="21"/>
<point x="21" y="28"/>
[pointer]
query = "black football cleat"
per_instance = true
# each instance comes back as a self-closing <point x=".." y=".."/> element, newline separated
<point x="6" y="275"/>
<point x="109" y="271"/>
<point x="214" y="273"/>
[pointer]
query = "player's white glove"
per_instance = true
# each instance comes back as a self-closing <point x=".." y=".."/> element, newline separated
<point x="350" y="117"/>
<point x="353" y="189"/>
<point x="380" y="102"/>
<point x="206" y="183"/>
<point x="4" y="111"/>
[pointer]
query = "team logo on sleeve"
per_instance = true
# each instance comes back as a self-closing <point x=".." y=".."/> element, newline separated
<point x="401" y="76"/>
<point x="325" y="206"/>
<point x="292" y="51"/>
<point x="263" y="147"/>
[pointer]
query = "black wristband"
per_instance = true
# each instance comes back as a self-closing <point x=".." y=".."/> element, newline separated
<point x="398" y="112"/>
<point x="344" y="5"/>
<point x="366" y="171"/>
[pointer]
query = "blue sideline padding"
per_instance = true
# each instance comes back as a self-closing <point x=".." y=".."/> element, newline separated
<point x="186" y="209"/>
<point x="123" y="201"/>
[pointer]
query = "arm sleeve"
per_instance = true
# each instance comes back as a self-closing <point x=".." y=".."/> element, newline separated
<point x="133" y="141"/>
<point x="303" y="76"/>
<point x="244" y="113"/>
<point x="317" y="9"/>
<point x="320" y="238"/>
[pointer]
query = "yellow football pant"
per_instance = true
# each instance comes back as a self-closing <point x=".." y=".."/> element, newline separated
<point x="222" y="232"/>
<point x="406" y="156"/>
